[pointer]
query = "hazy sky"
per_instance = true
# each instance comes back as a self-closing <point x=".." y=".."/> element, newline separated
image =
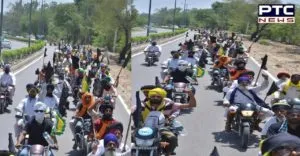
<point x="7" y="2"/>
<point x="143" y="5"/>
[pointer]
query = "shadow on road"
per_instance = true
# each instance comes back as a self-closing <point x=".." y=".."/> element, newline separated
<point x="233" y="140"/>
<point x="218" y="102"/>
<point x="146" y="65"/>
<point x="213" y="87"/>
<point x="74" y="153"/>
<point x="186" y="111"/>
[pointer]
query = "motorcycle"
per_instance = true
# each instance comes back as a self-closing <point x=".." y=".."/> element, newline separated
<point x="81" y="135"/>
<point x="244" y="121"/>
<point x="4" y="99"/>
<point x="220" y="78"/>
<point x="151" y="58"/>
<point x="146" y="139"/>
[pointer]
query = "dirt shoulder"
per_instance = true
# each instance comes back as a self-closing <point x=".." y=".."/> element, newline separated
<point x="281" y="57"/>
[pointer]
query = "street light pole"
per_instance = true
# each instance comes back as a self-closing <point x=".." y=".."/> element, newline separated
<point x="29" y="31"/>
<point x="1" y="25"/>
<point x="174" y="16"/>
<point x="149" y="18"/>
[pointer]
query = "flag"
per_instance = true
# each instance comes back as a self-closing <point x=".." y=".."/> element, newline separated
<point x="220" y="52"/>
<point x="45" y="52"/>
<point x="137" y="113"/>
<point x="200" y="72"/>
<point x="264" y="62"/>
<point x="60" y="126"/>
<point x="272" y="89"/>
<point x="214" y="152"/>
<point x="85" y="85"/>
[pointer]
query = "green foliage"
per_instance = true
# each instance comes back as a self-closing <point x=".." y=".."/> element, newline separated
<point x="11" y="55"/>
<point x="264" y="42"/>
<point x="144" y="39"/>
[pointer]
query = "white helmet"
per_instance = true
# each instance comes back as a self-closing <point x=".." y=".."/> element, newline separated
<point x="182" y="65"/>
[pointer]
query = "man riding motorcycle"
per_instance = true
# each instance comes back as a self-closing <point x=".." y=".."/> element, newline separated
<point x="8" y="81"/>
<point x="280" y="110"/>
<point x="180" y="74"/>
<point x="25" y="109"/>
<point x="153" y="48"/>
<point x="101" y="124"/>
<point x="240" y="68"/>
<point x="87" y="100"/>
<point x="35" y="128"/>
<point x="244" y="94"/>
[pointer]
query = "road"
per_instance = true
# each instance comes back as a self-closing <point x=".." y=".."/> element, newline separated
<point x="144" y="32"/>
<point x="17" y="44"/>
<point x="65" y="141"/>
<point x="205" y="125"/>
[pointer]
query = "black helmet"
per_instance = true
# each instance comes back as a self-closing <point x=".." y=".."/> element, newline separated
<point x="295" y="103"/>
<point x="153" y="43"/>
<point x="103" y="107"/>
<point x="239" y="61"/>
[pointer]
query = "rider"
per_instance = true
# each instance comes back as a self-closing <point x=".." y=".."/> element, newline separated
<point x="292" y="123"/>
<point x="26" y="107"/>
<point x="173" y="62"/>
<point x="35" y="129"/>
<point x="51" y="100"/>
<point x="222" y="62"/>
<point x="240" y="68"/>
<point x="103" y="72"/>
<point x="109" y="89"/>
<point x="153" y="48"/>
<point x="180" y="74"/>
<point x="282" y="78"/>
<point x="201" y="54"/>
<point x="290" y="89"/>
<point x="87" y="100"/>
<point x="244" y="94"/>
<point x="191" y="59"/>
<point x="280" y="109"/>
<point x="8" y="81"/>
<point x="101" y="124"/>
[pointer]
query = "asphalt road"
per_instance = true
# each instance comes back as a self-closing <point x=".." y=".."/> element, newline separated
<point x="17" y="44"/>
<point x="205" y="124"/>
<point x="144" y="32"/>
<point x="64" y="141"/>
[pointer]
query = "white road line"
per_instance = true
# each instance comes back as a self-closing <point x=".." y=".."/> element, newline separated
<point x="28" y="65"/>
<point x="139" y="53"/>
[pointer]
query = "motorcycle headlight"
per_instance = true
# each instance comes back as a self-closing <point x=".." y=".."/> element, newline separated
<point x="144" y="143"/>
<point x="247" y="113"/>
<point x="179" y="90"/>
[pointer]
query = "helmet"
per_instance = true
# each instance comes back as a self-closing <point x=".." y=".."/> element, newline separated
<point x="243" y="79"/>
<point x="153" y="43"/>
<point x="281" y="104"/>
<point x="239" y="61"/>
<point x="182" y="65"/>
<point x="103" y="107"/>
<point x="295" y="103"/>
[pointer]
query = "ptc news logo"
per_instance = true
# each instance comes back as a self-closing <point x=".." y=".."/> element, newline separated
<point x="276" y="13"/>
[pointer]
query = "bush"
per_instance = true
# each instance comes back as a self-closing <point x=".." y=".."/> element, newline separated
<point x="10" y="55"/>
<point x="143" y="39"/>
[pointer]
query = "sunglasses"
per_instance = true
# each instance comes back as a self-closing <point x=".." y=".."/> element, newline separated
<point x="39" y="111"/>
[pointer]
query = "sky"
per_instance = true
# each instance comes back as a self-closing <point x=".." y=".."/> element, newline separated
<point x="7" y="2"/>
<point x="143" y="5"/>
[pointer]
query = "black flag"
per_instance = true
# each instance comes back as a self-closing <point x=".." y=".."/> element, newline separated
<point x="45" y="53"/>
<point x="137" y="113"/>
<point x="272" y="89"/>
<point x="264" y="62"/>
<point x="214" y="152"/>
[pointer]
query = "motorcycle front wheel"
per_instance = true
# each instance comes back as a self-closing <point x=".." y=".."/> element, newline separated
<point x="245" y="134"/>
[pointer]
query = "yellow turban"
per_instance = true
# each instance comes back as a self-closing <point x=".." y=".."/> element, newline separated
<point x="157" y="91"/>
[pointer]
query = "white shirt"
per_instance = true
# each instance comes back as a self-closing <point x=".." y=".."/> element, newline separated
<point x="192" y="60"/>
<point x="269" y="122"/>
<point x="27" y="106"/>
<point x="151" y="48"/>
<point x="100" y="150"/>
<point x="173" y="63"/>
<point x="240" y="98"/>
<point x="7" y="79"/>
<point x="51" y="102"/>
